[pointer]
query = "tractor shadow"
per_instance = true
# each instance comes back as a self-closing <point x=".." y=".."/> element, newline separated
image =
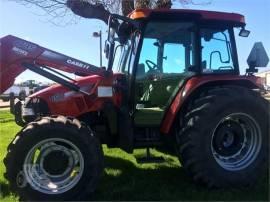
<point x="124" y="181"/>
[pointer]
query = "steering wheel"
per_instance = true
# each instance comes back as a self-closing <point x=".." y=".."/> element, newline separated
<point x="151" y="65"/>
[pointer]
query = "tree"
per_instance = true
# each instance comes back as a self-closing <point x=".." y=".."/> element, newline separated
<point x="99" y="9"/>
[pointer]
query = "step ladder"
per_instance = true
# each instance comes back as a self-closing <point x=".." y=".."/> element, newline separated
<point x="149" y="159"/>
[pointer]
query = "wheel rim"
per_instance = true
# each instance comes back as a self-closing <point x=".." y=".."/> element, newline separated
<point x="236" y="141"/>
<point x="53" y="166"/>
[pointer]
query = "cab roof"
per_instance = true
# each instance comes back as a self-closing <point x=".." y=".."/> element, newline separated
<point x="234" y="18"/>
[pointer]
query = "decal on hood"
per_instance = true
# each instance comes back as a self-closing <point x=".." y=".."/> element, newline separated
<point x="78" y="64"/>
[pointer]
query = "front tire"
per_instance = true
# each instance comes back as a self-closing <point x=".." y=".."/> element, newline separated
<point x="54" y="158"/>
<point x="224" y="141"/>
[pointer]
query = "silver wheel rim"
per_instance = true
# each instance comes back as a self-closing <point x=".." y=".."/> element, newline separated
<point x="47" y="173"/>
<point x="241" y="144"/>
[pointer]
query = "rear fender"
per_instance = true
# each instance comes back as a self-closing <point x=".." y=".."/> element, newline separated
<point x="194" y="85"/>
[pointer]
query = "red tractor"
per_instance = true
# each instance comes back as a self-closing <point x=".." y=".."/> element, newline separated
<point x="172" y="81"/>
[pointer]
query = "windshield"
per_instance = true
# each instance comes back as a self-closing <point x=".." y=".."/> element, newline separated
<point x="118" y="46"/>
<point x="121" y="55"/>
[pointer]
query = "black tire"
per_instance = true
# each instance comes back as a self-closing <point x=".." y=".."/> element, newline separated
<point x="65" y="129"/>
<point x="197" y="141"/>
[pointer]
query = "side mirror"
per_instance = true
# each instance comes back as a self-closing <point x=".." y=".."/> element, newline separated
<point x="257" y="58"/>
<point x="124" y="31"/>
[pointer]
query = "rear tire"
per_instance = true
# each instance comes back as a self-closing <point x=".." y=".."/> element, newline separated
<point x="54" y="159"/>
<point x="224" y="141"/>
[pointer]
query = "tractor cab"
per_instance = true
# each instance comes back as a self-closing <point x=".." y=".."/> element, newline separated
<point x="158" y="51"/>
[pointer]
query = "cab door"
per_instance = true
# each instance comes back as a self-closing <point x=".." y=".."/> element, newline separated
<point x="166" y="58"/>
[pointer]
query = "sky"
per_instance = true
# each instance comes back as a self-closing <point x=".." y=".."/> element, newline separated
<point x="76" y="40"/>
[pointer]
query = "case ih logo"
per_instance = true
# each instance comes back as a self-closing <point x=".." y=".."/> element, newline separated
<point x="25" y="45"/>
<point x="20" y="51"/>
<point x="78" y="64"/>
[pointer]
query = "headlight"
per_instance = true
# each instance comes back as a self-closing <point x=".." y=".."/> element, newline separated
<point x="27" y="111"/>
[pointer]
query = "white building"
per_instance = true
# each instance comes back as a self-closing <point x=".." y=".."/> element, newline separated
<point x="265" y="75"/>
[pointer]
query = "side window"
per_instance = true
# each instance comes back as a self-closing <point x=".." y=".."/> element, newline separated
<point x="174" y="58"/>
<point x="216" y="51"/>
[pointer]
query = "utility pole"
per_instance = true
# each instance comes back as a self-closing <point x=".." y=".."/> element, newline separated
<point x="99" y="34"/>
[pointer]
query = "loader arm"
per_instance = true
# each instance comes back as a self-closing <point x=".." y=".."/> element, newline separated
<point x="17" y="55"/>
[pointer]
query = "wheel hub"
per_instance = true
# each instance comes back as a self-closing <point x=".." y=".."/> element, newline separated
<point x="56" y="162"/>
<point x="236" y="141"/>
<point x="229" y="138"/>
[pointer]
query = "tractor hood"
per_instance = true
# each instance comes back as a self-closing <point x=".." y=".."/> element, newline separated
<point x="55" y="91"/>
<point x="17" y="55"/>
<point x="61" y="100"/>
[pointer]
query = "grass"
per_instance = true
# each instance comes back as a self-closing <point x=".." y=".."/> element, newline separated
<point x="7" y="131"/>
<point x="124" y="179"/>
<point x="5" y="116"/>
